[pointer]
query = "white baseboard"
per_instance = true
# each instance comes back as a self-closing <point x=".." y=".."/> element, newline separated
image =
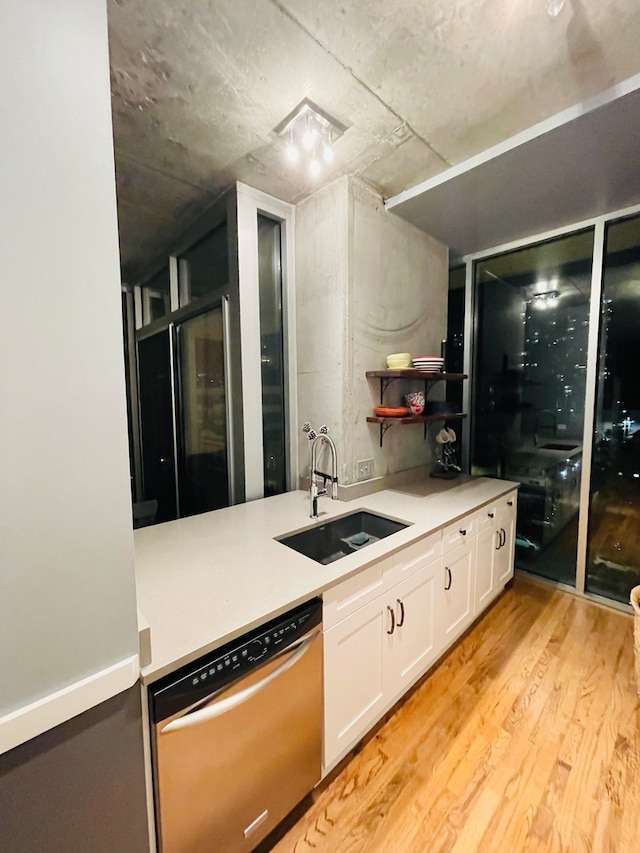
<point x="56" y="708"/>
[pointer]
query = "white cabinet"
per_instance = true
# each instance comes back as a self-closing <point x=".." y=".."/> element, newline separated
<point x="385" y="626"/>
<point x="456" y="610"/>
<point x="355" y="676"/>
<point x="494" y="563"/>
<point x="414" y="643"/>
<point x="374" y="654"/>
<point x="506" y="547"/>
<point x="486" y="587"/>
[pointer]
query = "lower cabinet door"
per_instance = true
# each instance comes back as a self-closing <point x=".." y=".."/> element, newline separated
<point x="355" y="682"/>
<point x="505" y="554"/>
<point x="455" y="594"/>
<point x="486" y="580"/>
<point x="415" y="636"/>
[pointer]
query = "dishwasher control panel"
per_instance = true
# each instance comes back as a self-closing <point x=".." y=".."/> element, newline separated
<point x="195" y="682"/>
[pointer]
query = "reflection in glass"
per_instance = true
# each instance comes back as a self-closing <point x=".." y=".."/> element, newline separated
<point x="156" y="424"/>
<point x="454" y="361"/>
<point x="530" y="382"/>
<point x="156" y="299"/>
<point x="272" y="355"/>
<point x="204" y="268"/>
<point x="202" y="469"/>
<point x="613" y="565"/>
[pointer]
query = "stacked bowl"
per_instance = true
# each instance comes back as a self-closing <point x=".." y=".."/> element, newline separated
<point x="399" y="360"/>
<point x="429" y="363"/>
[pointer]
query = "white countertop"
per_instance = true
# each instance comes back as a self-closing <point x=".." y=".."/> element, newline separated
<point x="205" y="580"/>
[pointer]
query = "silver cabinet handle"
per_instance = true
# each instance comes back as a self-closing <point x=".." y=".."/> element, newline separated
<point x="400" y="621"/>
<point x="447" y="584"/>
<point x="393" y="620"/>
<point x="221" y="706"/>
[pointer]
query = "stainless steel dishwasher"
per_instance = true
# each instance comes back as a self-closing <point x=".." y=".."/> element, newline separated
<point x="237" y="737"/>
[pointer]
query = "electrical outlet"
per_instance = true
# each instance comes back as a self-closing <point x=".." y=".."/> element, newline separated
<point x="364" y="469"/>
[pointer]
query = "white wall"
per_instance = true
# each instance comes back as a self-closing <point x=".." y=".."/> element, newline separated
<point x="368" y="284"/>
<point x="67" y="595"/>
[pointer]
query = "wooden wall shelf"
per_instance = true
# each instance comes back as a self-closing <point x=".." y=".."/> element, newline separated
<point x="386" y="377"/>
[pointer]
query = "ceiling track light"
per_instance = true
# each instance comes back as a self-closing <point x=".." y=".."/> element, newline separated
<point x="310" y="135"/>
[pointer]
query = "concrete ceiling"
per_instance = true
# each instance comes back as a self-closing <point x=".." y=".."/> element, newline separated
<point x="198" y="86"/>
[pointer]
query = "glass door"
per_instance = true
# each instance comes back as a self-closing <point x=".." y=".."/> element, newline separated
<point x="532" y="311"/>
<point x="203" y="472"/>
<point x="156" y="423"/>
<point x="613" y="567"/>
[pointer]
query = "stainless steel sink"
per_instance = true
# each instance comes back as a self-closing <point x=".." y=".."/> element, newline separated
<point x="335" y="539"/>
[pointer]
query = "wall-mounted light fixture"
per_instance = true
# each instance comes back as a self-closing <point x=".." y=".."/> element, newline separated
<point x="310" y="134"/>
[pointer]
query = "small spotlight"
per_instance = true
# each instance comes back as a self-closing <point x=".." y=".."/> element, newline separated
<point x="293" y="155"/>
<point x="327" y="153"/>
<point x="308" y="138"/>
<point x="314" y="168"/>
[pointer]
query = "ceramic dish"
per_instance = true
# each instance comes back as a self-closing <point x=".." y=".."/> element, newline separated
<point x="391" y="411"/>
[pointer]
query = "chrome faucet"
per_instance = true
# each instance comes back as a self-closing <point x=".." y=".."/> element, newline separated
<point x="314" y="491"/>
<point x="537" y="424"/>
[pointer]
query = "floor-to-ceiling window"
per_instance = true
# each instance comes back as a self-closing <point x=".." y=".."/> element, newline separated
<point x="613" y="559"/>
<point x="555" y="400"/>
<point x="532" y="317"/>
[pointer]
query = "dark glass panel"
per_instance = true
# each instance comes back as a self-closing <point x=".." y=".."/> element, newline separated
<point x="203" y="474"/>
<point x="156" y="424"/>
<point x="272" y="355"/>
<point x="529" y="391"/>
<point x="613" y="567"/>
<point x="204" y="268"/>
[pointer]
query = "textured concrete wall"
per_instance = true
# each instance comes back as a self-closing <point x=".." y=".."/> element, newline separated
<point x="398" y="293"/>
<point x="367" y="284"/>
<point x="321" y="295"/>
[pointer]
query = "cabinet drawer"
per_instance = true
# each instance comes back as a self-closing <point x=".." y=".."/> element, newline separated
<point x="487" y="516"/>
<point x="412" y="558"/>
<point x="346" y="597"/>
<point x="508" y="503"/>
<point x="459" y="532"/>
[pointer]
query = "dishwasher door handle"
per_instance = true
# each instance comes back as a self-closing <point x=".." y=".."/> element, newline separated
<point x="221" y="706"/>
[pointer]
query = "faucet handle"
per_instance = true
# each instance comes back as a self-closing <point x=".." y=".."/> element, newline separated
<point x="306" y="427"/>
<point x="312" y="434"/>
<point x="324" y="430"/>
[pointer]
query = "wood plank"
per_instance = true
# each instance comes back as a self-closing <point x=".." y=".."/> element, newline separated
<point x="526" y="737"/>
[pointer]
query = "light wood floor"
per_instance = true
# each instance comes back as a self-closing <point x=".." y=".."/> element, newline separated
<point x="525" y="738"/>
